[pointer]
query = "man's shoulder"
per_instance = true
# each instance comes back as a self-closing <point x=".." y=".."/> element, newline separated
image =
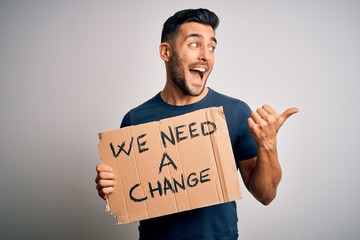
<point x="148" y="104"/>
<point x="142" y="113"/>
<point x="228" y="100"/>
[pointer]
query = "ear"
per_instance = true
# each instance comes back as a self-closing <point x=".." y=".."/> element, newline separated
<point x="165" y="51"/>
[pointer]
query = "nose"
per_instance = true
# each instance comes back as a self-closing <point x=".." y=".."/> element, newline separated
<point x="204" y="54"/>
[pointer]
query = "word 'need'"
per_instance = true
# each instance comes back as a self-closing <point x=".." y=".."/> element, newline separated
<point x="173" y="135"/>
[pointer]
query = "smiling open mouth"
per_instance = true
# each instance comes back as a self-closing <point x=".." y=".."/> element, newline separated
<point x="198" y="72"/>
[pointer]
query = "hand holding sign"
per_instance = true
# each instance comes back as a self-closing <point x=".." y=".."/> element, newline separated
<point x="105" y="180"/>
<point x="265" y="123"/>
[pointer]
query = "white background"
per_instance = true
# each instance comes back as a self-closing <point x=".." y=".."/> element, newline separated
<point x="70" y="69"/>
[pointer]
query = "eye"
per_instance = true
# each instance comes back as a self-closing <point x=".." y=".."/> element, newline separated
<point x="212" y="49"/>
<point x="194" y="45"/>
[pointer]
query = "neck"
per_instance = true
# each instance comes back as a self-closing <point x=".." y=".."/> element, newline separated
<point x="177" y="97"/>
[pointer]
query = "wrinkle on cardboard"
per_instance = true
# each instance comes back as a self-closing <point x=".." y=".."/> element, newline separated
<point x="168" y="166"/>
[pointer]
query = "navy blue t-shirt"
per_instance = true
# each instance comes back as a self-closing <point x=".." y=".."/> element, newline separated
<point x="213" y="222"/>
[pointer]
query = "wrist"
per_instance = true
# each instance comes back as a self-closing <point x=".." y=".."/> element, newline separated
<point x="267" y="145"/>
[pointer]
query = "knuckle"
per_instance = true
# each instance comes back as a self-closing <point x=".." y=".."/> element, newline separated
<point x="101" y="183"/>
<point x="106" y="183"/>
<point x="271" y="118"/>
<point x="262" y="124"/>
<point x="101" y="175"/>
<point x="106" y="191"/>
<point x="99" y="167"/>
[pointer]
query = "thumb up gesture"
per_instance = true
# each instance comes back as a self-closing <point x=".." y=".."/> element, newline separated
<point x="265" y="122"/>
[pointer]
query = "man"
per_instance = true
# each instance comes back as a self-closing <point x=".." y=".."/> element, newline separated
<point x="187" y="48"/>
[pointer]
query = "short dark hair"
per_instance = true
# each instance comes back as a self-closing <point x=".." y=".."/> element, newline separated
<point x="200" y="15"/>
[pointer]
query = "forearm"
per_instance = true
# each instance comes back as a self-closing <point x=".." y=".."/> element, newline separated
<point x="266" y="175"/>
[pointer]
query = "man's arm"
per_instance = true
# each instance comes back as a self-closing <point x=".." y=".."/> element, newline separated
<point x="262" y="174"/>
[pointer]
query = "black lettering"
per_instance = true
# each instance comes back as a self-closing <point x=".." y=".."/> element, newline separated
<point x="121" y="148"/>
<point x="171" y="139"/>
<point x="194" y="180"/>
<point x="173" y="185"/>
<point x="192" y="131"/>
<point x="162" y="164"/>
<point x="210" y="131"/>
<point x="167" y="185"/>
<point x="176" y="184"/>
<point x="203" y="176"/>
<point x="141" y="144"/>
<point x="152" y="190"/>
<point x="132" y="196"/>
<point x="178" y="133"/>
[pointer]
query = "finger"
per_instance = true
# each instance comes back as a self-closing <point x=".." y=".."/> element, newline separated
<point x="286" y="114"/>
<point x="104" y="172"/>
<point x="262" y="113"/>
<point x="106" y="176"/>
<point x="251" y="123"/>
<point x="104" y="184"/>
<point x="269" y="109"/>
<point x="255" y="116"/>
<point x="106" y="191"/>
<point x="103" y="168"/>
<point x="105" y="187"/>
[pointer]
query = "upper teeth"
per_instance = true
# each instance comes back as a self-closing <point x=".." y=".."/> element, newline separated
<point x="199" y="69"/>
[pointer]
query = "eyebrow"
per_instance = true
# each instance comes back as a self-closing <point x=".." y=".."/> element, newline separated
<point x="200" y="36"/>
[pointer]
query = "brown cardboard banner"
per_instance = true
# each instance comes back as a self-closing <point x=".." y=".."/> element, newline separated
<point x="172" y="165"/>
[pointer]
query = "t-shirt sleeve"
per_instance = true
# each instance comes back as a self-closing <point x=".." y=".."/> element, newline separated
<point x="125" y="121"/>
<point x="245" y="147"/>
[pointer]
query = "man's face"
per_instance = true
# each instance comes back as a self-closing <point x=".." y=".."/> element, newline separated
<point x="192" y="58"/>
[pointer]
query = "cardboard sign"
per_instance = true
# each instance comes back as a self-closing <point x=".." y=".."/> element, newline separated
<point x="172" y="165"/>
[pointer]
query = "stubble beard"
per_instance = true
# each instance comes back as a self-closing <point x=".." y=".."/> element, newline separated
<point x="177" y="75"/>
